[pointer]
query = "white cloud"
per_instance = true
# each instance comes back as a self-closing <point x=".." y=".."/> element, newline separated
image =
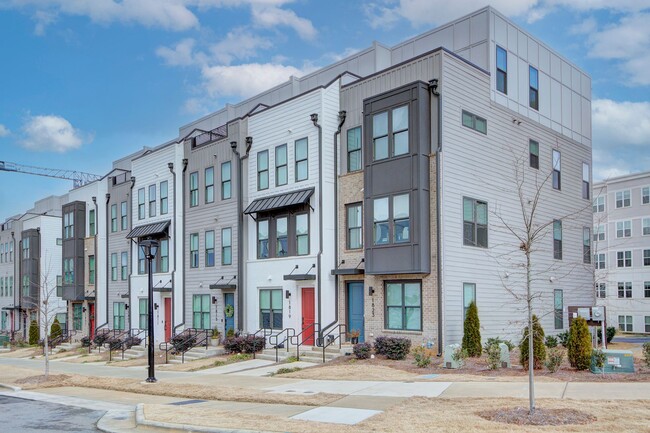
<point x="51" y="133"/>
<point x="182" y="54"/>
<point x="379" y="16"/>
<point x="43" y="19"/>
<point x="240" y="43"/>
<point x="4" y="131"/>
<point x="272" y="16"/>
<point x="585" y="27"/>
<point x="245" y="80"/>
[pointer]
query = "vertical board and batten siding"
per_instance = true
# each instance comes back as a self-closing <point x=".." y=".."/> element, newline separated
<point x="212" y="216"/>
<point x="482" y="167"/>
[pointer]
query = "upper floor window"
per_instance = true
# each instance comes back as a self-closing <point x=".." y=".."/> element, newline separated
<point x="209" y="185"/>
<point x="152" y="200"/>
<point x="557" y="177"/>
<point x="194" y="250"/>
<point x="645" y="225"/>
<point x="599" y="260"/>
<point x="141" y="262"/>
<point x="474" y="122"/>
<point x="125" y="265"/>
<point x="263" y="239"/>
<point x="533" y="94"/>
<point x="645" y="195"/>
<point x="25" y="245"/>
<point x="281" y="167"/>
<point x="226" y="246"/>
<point x="502" y="70"/>
<point x="141" y="204"/>
<point x="302" y="234"/>
<point x="354" y="226"/>
<point x="91" y="269"/>
<point x="194" y="189"/>
<point x="209" y="248"/>
<point x="599" y="232"/>
<point x="113" y="267"/>
<point x="599" y="204"/>
<point x="226" y="180"/>
<point x="283" y="235"/>
<point x="302" y="163"/>
<point x="475" y="223"/>
<point x="533" y="150"/>
<point x="622" y="198"/>
<point x="601" y="290"/>
<point x="164" y="255"/>
<point x="558" y="308"/>
<point x="391" y="214"/>
<point x="586" y="245"/>
<point x="390" y="133"/>
<point x="68" y="225"/>
<point x="92" y="231"/>
<point x="263" y="170"/>
<point x="623" y="229"/>
<point x="164" y="203"/>
<point x="114" y="218"/>
<point x="354" y="149"/>
<point x="624" y="259"/>
<point x="586" y="175"/>
<point x="123" y="215"/>
<point x="646" y="257"/>
<point x="624" y="289"/>
<point x="557" y="239"/>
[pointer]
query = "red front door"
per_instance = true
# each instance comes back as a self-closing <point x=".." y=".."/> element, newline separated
<point x="91" y="310"/>
<point x="308" y="315"/>
<point x="168" y="319"/>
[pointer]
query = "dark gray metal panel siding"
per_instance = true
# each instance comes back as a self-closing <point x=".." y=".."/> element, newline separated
<point x="73" y="248"/>
<point x="407" y="173"/>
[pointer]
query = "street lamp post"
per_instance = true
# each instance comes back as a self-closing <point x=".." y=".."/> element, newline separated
<point x="149" y="249"/>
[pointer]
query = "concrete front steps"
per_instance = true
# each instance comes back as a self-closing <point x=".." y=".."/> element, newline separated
<point x="197" y="353"/>
<point x="307" y="353"/>
<point x="135" y="352"/>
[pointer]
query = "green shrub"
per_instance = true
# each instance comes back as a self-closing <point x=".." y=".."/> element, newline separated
<point x="247" y="344"/>
<point x="493" y="356"/>
<point x="563" y="338"/>
<point x="290" y="359"/>
<point x="550" y="341"/>
<point x="539" y="350"/>
<point x="34" y="333"/>
<point x="55" y="330"/>
<point x="497" y="341"/>
<point x="646" y="353"/>
<point x="85" y="342"/>
<point x="459" y="355"/>
<point x="230" y="333"/>
<point x="599" y="359"/>
<point x="611" y="332"/>
<point x="239" y="357"/>
<point x="472" y="332"/>
<point x="362" y="350"/>
<point x="554" y="359"/>
<point x="422" y="356"/>
<point x="393" y="347"/>
<point x="579" y="345"/>
<point x="285" y="370"/>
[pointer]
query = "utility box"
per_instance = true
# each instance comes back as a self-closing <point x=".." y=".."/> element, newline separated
<point x="449" y="359"/>
<point x="616" y="361"/>
<point x="505" y="355"/>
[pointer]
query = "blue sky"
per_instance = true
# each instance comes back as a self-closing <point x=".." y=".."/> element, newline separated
<point x="86" y="82"/>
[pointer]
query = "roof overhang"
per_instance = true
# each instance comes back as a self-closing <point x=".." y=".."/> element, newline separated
<point x="280" y="201"/>
<point x="299" y="277"/>
<point x="154" y="230"/>
<point x="223" y="286"/>
<point x="348" y="271"/>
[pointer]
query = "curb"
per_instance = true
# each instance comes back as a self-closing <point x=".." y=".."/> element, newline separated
<point x="141" y="420"/>
<point x="11" y="387"/>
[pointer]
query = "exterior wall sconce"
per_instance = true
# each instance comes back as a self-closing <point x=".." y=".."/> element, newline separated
<point x="287" y="294"/>
<point x="126" y="306"/>
<point x="214" y="299"/>
<point x="155" y="306"/>
<point x="83" y="309"/>
<point x="371" y="291"/>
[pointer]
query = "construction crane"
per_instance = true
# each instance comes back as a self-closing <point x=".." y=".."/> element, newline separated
<point x="78" y="178"/>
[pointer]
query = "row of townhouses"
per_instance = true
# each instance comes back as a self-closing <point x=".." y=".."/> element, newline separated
<point x="381" y="192"/>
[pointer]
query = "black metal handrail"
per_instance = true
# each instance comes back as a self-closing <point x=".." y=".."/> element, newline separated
<point x="141" y="334"/>
<point x="266" y="332"/>
<point x="116" y="342"/>
<point x="329" y="338"/>
<point x="64" y="337"/>
<point x="310" y="331"/>
<point x="186" y="340"/>
<point x="273" y="340"/>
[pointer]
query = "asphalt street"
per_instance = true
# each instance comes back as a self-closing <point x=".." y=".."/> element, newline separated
<point x="27" y="416"/>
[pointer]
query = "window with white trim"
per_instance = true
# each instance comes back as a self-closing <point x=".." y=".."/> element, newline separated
<point x="271" y="308"/>
<point x="599" y="204"/>
<point x="301" y="154"/>
<point x="624" y="289"/>
<point x="646" y="257"/>
<point x="354" y="149"/>
<point x="124" y="218"/>
<point x="625" y="323"/>
<point x="226" y="180"/>
<point x="645" y="224"/>
<point x="226" y="246"/>
<point x="164" y="200"/>
<point x="533" y="153"/>
<point x="557" y="240"/>
<point x="623" y="229"/>
<point x="262" y="170"/>
<point x="152" y="200"/>
<point x="403" y="305"/>
<point x="474" y="122"/>
<point x="194" y="250"/>
<point x="601" y="290"/>
<point x="533" y="92"/>
<point x="623" y="199"/>
<point x="586" y="245"/>
<point x="194" y="189"/>
<point x="624" y="259"/>
<point x="599" y="260"/>
<point x="281" y="165"/>
<point x="209" y="184"/>
<point x="599" y="232"/>
<point x="354" y="213"/>
<point x="141" y="209"/>
<point x="469" y="296"/>
<point x="391" y="219"/>
<point x="209" y="248"/>
<point x="475" y="222"/>
<point x="645" y="195"/>
<point x="502" y="70"/>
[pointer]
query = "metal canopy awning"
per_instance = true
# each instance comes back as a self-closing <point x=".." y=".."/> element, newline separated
<point x="11" y="308"/>
<point x="223" y="286"/>
<point x="299" y="277"/>
<point x="280" y="201"/>
<point x="153" y="230"/>
<point x="89" y="298"/>
<point x="348" y="271"/>
<point x="162" y="289"/>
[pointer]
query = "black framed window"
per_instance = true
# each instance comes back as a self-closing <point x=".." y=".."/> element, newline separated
<point x="124" y="266"/>
<point x="354" y="213"/>
<point x="141" y="209"/>
<point x="391" y="219"/>
<point x="625" y="323"/>
<point x="390" y="133"/>
<point x="599" y="260"/>
<point x="226" y="180"/>
<point x="201" y="311"/>
<point x="262" y="239"/>
<point x="558" y="308"/>
<point x="209" y="248"/>
<point x="403" y="305"/>
<point x="113" y="218"/>
<point x="281" y="165"/>
<point x="533" y="150"/>
<point x="645" y="195"/>
<point x="143" y="313"/>
<point x="282" y="235"/>
<point x="124" y="216"/>
<point x="586" y="245"/>
<point x="263" y="170"/>
<point x="271" y="308"/>
<point x="502" y="70"/>
<point x="586" y="176"/>
<point x="302" y="234"/>
<point x="469" y="296"/>
<point x="475" y="223"/>
<point x="194" y="250"/>
<point x="118" y="315"/>
<point x="354" y="149"/>
<point x="164" y="200"/>
<point x="194" y="189"/>
<point x="302" y="161"/>
<point x="163" y="255"/>
<point x="533" y="94"/>
<point x="557" y="239"/>
<point x="68" y="227"/>
<point x="557" y="167"/>
<point x="474" y="122"/>
<point x="209" y="185"/>
<point x="226" y="246"/>
<point x="152" y="200"/>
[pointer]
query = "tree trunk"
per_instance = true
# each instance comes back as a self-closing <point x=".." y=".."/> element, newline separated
<point x="47" y="354"/>
<point x="531" y="359"/>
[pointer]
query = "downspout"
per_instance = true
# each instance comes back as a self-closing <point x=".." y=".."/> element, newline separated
<point x="314" y="119"/>
<point x="130" y="248"/>
<point x="182" y="195"/>
<point x="341" y="118"/>
<point x="170" y="165"/>
<point x="240" y="229"/>
<point x="433" y="85"/>
<point x="94" y="198"/>
<point x="108" y="198"/>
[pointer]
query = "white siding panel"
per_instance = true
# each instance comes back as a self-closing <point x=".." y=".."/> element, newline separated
<point x="533" y="53"/>
<point x="566" y="73"/>
<point x="513" y="38"/>
<point x="500" y="31"/>
<point x="586" y="118"/>
<point x="576" y="113"/>
<point x="544" y="60"/>
<point x="556" y="101"/>
<point x="461" y="34"/>
<point x="556" y="67"/>
<point x="479" y="55"/>
<point x="522" y="46"/>
<point x="479" y="28"/>
<point x="566" y="107"/>
<point x="544" y="95"/>
<point x="522" y="68"/>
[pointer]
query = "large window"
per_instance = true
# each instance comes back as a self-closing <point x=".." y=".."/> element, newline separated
<point x="194" y="189"/>
<point x="474" y="122"/>
<point x="164" y="255"/>
<point x="623" y="199"/>
<point x="209" y="185"/>
<point x="599" y="204"/>
<point x="502" y="70"/>
<point x="113" y="218"/>
<point x="586" y="176"/>
<point x="557" y="240"/>
<point x="645" y="226"/>
<point x="558" y="308"/>
<point x="226" y="246"/>
<point x="141" y="262"/>
<point x="624" y="289"/>
<point x="92" y="223"/>
<point x="152" y="200"/>
<point x="601" y="290"/>
<point x="599" y="259"/>
<point x="475" y="223"/>
<point x="124" y="218"/>
<point x="391" y="219"/>
<point x="118" y="315"/>
<point x="586" y="245"/>
<point x="354" y="226"/>
<point x="281" y="167"/>
<point x="209" y="248"/>
<point x="68" y="271"/>
<point x="68" y="226"/>
<point x="271" y="308"/>
<point x="164" y="200"/>
<point x="194" y="250"/>
<point x="646" y="257"/>
<point x="390" y="133"/>
<point x="646" y="289"/>
<point x="263" y="170"/>
<point x="354" y="149"/>
<point x="302" y="234"/>
<point x="283" y="235"/>
<point x="226" y="180"/>
<point x="263" y="239"/>
<point x="625" y="323"/>
<point x="403" y="306"/>
<point x="201" y="311"/>
<point x="143" y="311"/>
<point x="645" y="195"/>
<point x="623" y="229"/>
<point x="533" y="93"/>
<point x="557" y="167"/>
<point x="114" y="267"/>
<point x="624" y="259"/>
<point x="469" y="296"/>
<point x="141" y="209"/>
<point x="77" y="316"/>
<point x="125" y="265"/>
<point x="599" y="233"/>
<point x="302" y="162"/>
<point x="533" y="150"/>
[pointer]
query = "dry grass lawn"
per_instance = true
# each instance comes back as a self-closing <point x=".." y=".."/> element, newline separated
<point x="420" y="415"/>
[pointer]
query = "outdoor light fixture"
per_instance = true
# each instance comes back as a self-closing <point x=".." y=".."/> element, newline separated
<point x="149" y="249"/>
<point x="83" y="309"/>
<point x="126" y="306"/>
<point x="287" y="294"/>
<point x="155" y="306"/>
<point x="371" y="291"/>
<point x="214" y="299"/>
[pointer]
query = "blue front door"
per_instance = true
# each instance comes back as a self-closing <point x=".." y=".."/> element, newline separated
<point x="229" y="300"/>
<point x="355" y="308"/>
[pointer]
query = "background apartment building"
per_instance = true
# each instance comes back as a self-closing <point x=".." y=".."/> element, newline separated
<point x="621" y="237"/>
<point x="9" y="305"/>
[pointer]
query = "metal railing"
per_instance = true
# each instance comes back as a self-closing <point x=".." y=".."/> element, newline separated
<point x="329" y="338"/>
<point x="141" y="334"/>
<point x="64" y="337"/>
<point x="265" y="332"/>
<point x="308" y="332"/>
<point x="186" y="340"/>
<point x="274" y="340"/>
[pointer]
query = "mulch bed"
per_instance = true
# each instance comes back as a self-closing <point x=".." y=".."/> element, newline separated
<point x="522" y="416"/>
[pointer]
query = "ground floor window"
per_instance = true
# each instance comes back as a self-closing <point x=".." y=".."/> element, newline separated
<point x="201" y="311"/>
<point x="271" y="308"/>
<point x="143" y="309"/>
<point x="118" y="315"/>
<point x="625" y="323"/>
<point x="3" y="321"/>
<point x="77" y="316"/>
<point x="469" y="296"/>
<point x="403" y="305"/>
<point x="63" y="321"/>
<point x="647" y="323"/>
<point x="558" y="308"/>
